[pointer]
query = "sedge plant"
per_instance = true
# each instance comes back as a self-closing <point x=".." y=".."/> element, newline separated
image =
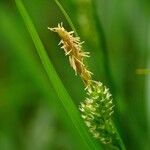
<point x="97" y="108"/>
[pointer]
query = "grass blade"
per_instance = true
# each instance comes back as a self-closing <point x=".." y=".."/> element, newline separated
<point x="64" y="97"/>
<point x="21" y="53"/>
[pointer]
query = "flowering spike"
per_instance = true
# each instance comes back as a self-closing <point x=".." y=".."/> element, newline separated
<point x="97" y="108"/>
<point x="72" y="47"/>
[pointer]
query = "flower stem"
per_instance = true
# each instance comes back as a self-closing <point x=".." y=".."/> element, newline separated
<point x="67" y="17"/>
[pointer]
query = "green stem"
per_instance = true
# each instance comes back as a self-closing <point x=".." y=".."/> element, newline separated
<point x="67" y="17"/>
<point x="119" y="142"/>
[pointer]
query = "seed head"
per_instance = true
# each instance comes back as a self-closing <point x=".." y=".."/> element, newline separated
<point x="73" y="48"/>
<point x="97" y="108"/>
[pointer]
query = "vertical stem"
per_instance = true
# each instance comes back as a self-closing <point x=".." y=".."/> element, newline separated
<point x="148" y="84"/>
<point x="103" y="46"/>
<point x="120" y="145"/>
<point x="67" y="17"/>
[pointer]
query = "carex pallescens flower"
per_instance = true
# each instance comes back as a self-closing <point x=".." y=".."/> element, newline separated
<point x="72" y="47"/>
<point x="97" y="108"/>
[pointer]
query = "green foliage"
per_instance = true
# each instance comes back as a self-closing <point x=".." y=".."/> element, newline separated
<point x="116" y="35"/>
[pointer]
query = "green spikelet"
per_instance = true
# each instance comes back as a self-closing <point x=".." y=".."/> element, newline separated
<point x="97" y="110"/>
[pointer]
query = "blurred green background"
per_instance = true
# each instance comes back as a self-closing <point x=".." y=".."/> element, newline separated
<point x="117" y="35"/>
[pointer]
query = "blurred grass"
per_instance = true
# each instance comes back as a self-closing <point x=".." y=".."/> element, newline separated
<point x="24" y="87"/>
